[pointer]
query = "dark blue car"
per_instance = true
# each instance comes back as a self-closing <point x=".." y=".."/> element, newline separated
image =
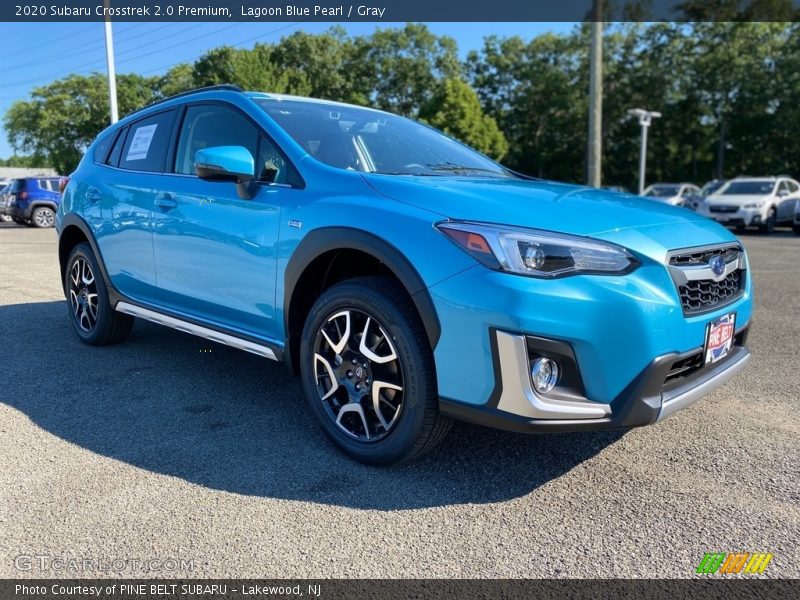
<point x="32" y="201"/>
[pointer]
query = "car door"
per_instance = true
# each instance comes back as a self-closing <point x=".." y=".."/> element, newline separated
<point x="786" y="204"/>
<point x="783" y="203"/>
<point x="216" y="253"/>
<point x="118" y="205"/>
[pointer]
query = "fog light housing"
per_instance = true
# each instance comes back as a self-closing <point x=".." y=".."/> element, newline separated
<point x="544" y="374"/>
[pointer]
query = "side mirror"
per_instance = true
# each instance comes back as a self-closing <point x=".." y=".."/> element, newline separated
<point x="227" y="163"/>
<point x="783" y="193"/>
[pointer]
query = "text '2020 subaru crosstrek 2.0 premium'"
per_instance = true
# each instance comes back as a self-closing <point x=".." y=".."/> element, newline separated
<point x="408" y="279"/>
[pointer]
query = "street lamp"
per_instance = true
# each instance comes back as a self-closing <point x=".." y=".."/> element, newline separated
<point x="645" y="118"/>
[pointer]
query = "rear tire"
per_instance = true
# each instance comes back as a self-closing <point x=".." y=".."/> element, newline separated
<point x="90" y="311"/>
<point x="392" y="370"/>
<point x="43" y="217"/>
<point x="769" y="225"/>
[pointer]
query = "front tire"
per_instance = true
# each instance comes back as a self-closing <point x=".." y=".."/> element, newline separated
<point x="769" y="225"/>
<point x="91" y="314"/>
<point x="368" y="372"/>
<point x="43" y="217"/>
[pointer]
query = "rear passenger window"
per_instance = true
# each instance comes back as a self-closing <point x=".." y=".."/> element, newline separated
<point x="145" y="146"/>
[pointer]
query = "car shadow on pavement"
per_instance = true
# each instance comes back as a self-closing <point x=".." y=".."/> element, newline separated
<point x="213" y="416"/>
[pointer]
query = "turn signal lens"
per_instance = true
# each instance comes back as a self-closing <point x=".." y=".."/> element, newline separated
<point x="474" y="243"/>
<point x="62" y="185"/>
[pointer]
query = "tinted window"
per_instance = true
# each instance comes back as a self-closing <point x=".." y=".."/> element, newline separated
<point x="17" y="185"/>
<point x="116" y="151"/>
<point x="793" y="187"/>
<point x="206" y="126"/>
<point x="102" y="147"/>
<point x="145" y="147"/>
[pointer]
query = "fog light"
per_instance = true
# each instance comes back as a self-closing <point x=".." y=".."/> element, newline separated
<point x="544" y="373"/>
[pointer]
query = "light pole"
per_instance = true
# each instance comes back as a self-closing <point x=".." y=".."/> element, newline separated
<point x="645" y="118"/>
<point x="595" y="150"/>
<point x="112" y="75"/>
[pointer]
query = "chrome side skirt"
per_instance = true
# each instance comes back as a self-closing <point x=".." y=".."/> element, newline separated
<point x="198" y="330"/>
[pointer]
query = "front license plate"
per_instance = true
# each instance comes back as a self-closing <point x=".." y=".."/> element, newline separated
<point x="719" y="337"/>
<point x="721" y="219"/>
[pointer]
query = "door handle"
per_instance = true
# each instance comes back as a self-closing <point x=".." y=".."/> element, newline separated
<point x="166" y="201"/>
<point x="93" y="194"/>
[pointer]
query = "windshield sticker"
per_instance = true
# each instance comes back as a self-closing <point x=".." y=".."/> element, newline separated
<point x="141" y="142"/>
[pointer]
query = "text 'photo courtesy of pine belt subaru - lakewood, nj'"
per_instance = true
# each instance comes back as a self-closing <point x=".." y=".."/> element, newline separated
<point x="406" y="278"/>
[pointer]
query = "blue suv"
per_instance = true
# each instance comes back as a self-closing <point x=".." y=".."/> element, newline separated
<point x="407" y="279"/>
<point x="32" y="201"/>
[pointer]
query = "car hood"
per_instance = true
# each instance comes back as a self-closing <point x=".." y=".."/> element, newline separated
<point x="539" y="204"/>
<point x="643" y="225"/>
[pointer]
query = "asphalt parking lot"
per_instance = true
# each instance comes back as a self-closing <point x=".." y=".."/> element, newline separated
<point x="171" y="448"/>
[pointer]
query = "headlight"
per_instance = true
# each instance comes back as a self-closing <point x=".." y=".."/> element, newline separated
<point x="758" y="204"/>
<point x="537" y="253"/>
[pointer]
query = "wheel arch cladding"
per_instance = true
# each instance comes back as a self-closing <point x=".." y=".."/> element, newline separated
<point x="74" y="231"/>
<point x="308" y="274"/>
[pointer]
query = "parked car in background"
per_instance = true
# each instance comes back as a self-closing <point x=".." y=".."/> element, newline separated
<point x="5" y="197"/>
<point x="796" y="222"/>
<point x="676" y="194"/>
<point x="619" y="189"/>
<point x="762" y="202"/>
<point x="711" y="186"/>
<point x="33" y="201"/>
<point x="406" y="278"/>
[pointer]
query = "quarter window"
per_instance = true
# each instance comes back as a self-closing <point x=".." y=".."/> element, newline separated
<point x="145" y="146"/>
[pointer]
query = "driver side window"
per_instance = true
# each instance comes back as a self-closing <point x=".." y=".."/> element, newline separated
<point x="206" y="126"/>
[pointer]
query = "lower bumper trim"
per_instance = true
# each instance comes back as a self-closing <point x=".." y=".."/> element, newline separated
<point x="645" y="401"/>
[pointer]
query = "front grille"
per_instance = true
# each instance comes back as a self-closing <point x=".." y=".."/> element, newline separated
<point x="685" y="366"/>
<point x="702" y="295"/>
<point x="701" y="257"/>
<point x="688" y="365"/>
<point x="723" y="208"/>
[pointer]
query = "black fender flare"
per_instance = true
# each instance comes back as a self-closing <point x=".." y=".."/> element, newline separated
<point x="73" y="220"/>
<point x="325" y="239"/>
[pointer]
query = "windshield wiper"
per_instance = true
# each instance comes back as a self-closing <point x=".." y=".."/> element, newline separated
<point x="461" y="169"/>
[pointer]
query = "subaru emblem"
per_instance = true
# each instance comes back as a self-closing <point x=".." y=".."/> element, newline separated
<point x="717" y="264"/>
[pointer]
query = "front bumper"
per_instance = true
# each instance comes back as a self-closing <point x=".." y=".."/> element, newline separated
<point x="651" y="397"/>
<point x="744" y="217"/>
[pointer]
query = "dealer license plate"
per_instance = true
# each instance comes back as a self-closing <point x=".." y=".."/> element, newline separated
<point x="719" y="337"/>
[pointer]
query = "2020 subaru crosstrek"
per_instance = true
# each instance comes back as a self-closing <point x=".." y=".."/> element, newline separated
<point x="408" y="279"/>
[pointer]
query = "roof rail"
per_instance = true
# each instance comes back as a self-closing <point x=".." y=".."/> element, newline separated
<point x="209" y="88"/>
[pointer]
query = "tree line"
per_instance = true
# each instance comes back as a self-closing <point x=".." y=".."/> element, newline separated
<point x="728" y="93"/>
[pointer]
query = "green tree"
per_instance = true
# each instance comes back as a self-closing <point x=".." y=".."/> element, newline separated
<point x="456" y="110"/>
<point x="64" y="117"/>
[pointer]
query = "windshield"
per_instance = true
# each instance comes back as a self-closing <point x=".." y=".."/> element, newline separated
<point x="750" y="188"/>
<point x="662" y="191"/>
<point x="365" y="140"/>
<point x="711" y="187"/>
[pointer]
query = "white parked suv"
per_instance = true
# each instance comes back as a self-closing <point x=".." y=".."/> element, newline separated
<point x="761" y="202"/>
